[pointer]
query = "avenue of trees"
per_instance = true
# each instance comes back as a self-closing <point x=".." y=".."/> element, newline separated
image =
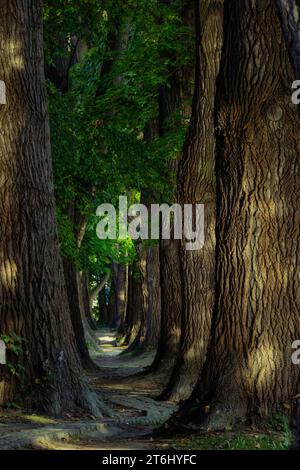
<point x="164" y="101"/>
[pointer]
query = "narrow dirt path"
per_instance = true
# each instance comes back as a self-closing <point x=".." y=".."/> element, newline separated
<point x="131" y="412"/>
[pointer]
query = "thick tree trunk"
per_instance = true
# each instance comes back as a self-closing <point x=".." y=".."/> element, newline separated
<point x="139" y="339"/>
<point x="196" y="184"/>
<point x="33" y="301"/>
<point x="152" y="298"/>
<point x="249" y="370"/>
<point x="171" y="300"/>
<point x="148" y="297"/>
<point x="176" y="97"/>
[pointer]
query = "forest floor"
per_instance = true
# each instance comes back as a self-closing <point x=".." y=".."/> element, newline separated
<point x="130" y="414"/>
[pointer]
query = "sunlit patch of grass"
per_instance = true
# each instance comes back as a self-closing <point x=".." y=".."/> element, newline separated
<point x="14" y="416"/>
<point x="229" y="441"/>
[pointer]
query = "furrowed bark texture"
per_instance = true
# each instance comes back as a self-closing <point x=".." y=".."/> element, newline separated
<point x="152" y="298"/>
<point x="249" y="370"/>
<point x="33" y="301"/>
<point x="196" y="184"/>
<point x="175" y="98"/>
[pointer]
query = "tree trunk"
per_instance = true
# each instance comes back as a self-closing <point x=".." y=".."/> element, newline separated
<point x="86" y="305"/>
<point x="112" y="315"/>
<point x="59" y="73"/>
<point x="33" y="301"/>
<point x="249" y="370"/>
<point x="120" y="286"/>
<point x="149" y="267"/>
<point x="71" y="280"/>
<point x="94" y="293"/>
<point x="171" y="300"/>
<point x="176" y="97"/>
<point x="139" y="339"/>
<point x="147" y="297"/>
<point x="290" y="22"/>
<point x="152" y="299"/>
<point x="134" y="307"/>
<point x="103" y="308"/>
<point x="72" y="286"/>
<point x="196" y="184"/>
<point x="122" y="292"/>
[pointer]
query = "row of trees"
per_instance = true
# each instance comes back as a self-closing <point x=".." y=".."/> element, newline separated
<point x="229" y="312"/>
<point x="134" y="111"/>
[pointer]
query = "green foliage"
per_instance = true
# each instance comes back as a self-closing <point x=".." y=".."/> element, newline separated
<point x="68" y="244"/>
<point x="15" y="369"/>
<point x="272" y="434"/>
<point x="243" y="441"/>
<point x="97" y="125"/>
<point x="66" y="19"/>
<point x="13" y="344"/>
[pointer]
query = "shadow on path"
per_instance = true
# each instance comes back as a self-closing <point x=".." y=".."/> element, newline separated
<point x="130" y="414"/>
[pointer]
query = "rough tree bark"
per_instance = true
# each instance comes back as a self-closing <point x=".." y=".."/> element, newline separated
<point x="289" y="14"/>
<point x="249" y="371"/>
<point x="33" y="301"/>
<point x="151" y="298"/>
<point x="174" y="98"/>
<point x="196" y="184"/>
